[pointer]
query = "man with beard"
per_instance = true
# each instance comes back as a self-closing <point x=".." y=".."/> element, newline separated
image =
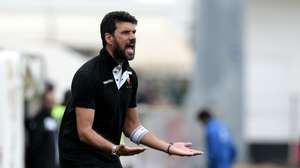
<point x="103" y="105"/>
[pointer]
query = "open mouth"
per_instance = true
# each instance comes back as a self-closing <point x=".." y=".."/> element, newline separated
<point x="130" y="48"/>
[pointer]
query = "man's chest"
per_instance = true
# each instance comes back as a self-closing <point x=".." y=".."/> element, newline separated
<point x="115" y="91"/>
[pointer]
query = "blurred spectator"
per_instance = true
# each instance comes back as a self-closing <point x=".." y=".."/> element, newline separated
<point x="57" y="113"/>
<point x="221" y="150"/>
<point x="41" y="134"/>
<point x="58" y="110"/>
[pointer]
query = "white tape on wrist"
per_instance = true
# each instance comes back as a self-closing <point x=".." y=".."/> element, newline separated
<point x="137" y="134"/>
<point x="114" y="150"/>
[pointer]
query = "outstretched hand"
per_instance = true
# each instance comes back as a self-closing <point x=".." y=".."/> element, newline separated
<point x="124" y="150"/>
<point x="183" y="149"/>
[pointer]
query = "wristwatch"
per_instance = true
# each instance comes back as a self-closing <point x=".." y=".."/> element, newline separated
<point x="114" y="150"/>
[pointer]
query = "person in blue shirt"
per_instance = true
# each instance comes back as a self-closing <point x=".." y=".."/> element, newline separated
<point x="220" y="146"/>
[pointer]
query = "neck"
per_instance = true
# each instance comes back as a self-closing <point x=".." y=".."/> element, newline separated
<point x="109" y="49"/>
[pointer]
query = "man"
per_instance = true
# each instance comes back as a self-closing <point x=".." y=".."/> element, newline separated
<point x="103" y="104"/>
<point x="42" y="128"/>
<point x="220" y="147"/>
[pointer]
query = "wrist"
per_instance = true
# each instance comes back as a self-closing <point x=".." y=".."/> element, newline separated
<point x="114" y="149"/>
<point x="168" y="148"/>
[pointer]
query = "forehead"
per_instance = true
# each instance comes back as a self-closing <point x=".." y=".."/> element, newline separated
<point x="125" y="26"/>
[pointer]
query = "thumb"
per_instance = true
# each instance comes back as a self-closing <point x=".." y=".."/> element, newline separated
<point x="122" y="146"/>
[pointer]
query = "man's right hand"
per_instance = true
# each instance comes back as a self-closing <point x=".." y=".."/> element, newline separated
<point x="124" y="150"/>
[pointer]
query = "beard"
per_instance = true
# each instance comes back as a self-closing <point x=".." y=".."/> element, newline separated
<point x="120" y="53"/>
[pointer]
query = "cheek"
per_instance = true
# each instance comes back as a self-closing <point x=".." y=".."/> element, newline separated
<point x="120" y="43"/>
<point x="122" y="38"/>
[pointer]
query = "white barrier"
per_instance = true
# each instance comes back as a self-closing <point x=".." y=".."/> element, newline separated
<point x="11" y="111"/>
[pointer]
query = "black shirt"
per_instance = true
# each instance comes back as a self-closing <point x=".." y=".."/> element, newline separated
<point x="93" y="86"/>
<point x="42" y="130"/>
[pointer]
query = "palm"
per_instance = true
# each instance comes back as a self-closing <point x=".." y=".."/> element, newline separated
<point x="183" y="149"/>
<point x="124" y="150"/>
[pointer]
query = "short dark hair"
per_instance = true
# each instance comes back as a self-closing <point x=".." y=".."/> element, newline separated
<point x="48" y="88"/>
<point x="108" y="24"/>
<point x="204" y="114"/>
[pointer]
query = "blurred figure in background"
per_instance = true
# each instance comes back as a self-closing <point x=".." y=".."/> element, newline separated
<point x="221" y="150"/>
<point x="57" y="113"/>
<point x="58" y="110"/>
<point x="42" y="129"/>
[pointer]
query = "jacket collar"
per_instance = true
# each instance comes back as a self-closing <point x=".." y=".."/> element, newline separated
<point x="110" y="62"/>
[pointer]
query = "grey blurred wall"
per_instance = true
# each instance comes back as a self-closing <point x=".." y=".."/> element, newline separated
<point x="217" y="78"/>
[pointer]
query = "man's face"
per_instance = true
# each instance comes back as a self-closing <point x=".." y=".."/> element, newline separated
<point x="49" y="100"/>
<point x="124" y="41"/>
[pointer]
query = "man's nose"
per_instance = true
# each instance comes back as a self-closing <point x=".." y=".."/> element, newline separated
<point x="132" y="36"/>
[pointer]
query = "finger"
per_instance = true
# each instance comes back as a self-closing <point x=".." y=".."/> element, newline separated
<point x="120" y="147"/>
<point x="136" y="148"/>
<point x="188" y="144"/>
<point x="196" y="152"/>
<point x="190" y="153"/>
<point x="187" y="154"/>
<point x="201" y="153"/>
<point x="134" y="152"/>
<point x="131" y="152"/>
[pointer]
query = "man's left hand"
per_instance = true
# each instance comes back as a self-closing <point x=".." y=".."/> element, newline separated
<point x="183" y="149"/>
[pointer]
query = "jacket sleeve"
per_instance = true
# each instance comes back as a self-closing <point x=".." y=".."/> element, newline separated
<point x="212" y="143"/>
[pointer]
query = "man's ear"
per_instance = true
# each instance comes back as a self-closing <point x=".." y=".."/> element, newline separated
<point x="108" y="38"/>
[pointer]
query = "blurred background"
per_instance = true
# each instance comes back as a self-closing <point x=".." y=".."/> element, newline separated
<point x="240" y="58"/>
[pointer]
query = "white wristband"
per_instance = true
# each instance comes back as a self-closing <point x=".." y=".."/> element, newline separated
<point x="114" y="150"/>
<point x="137" y="134"/>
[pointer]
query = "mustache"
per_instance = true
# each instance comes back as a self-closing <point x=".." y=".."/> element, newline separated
<point x="132" y="41"/>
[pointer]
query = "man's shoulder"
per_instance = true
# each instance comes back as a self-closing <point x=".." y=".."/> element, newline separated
<point x="88" y="71"/>
<point x="90" y="67"/>
<point x="90" y="64"/>
<point x="213" y="124"/>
